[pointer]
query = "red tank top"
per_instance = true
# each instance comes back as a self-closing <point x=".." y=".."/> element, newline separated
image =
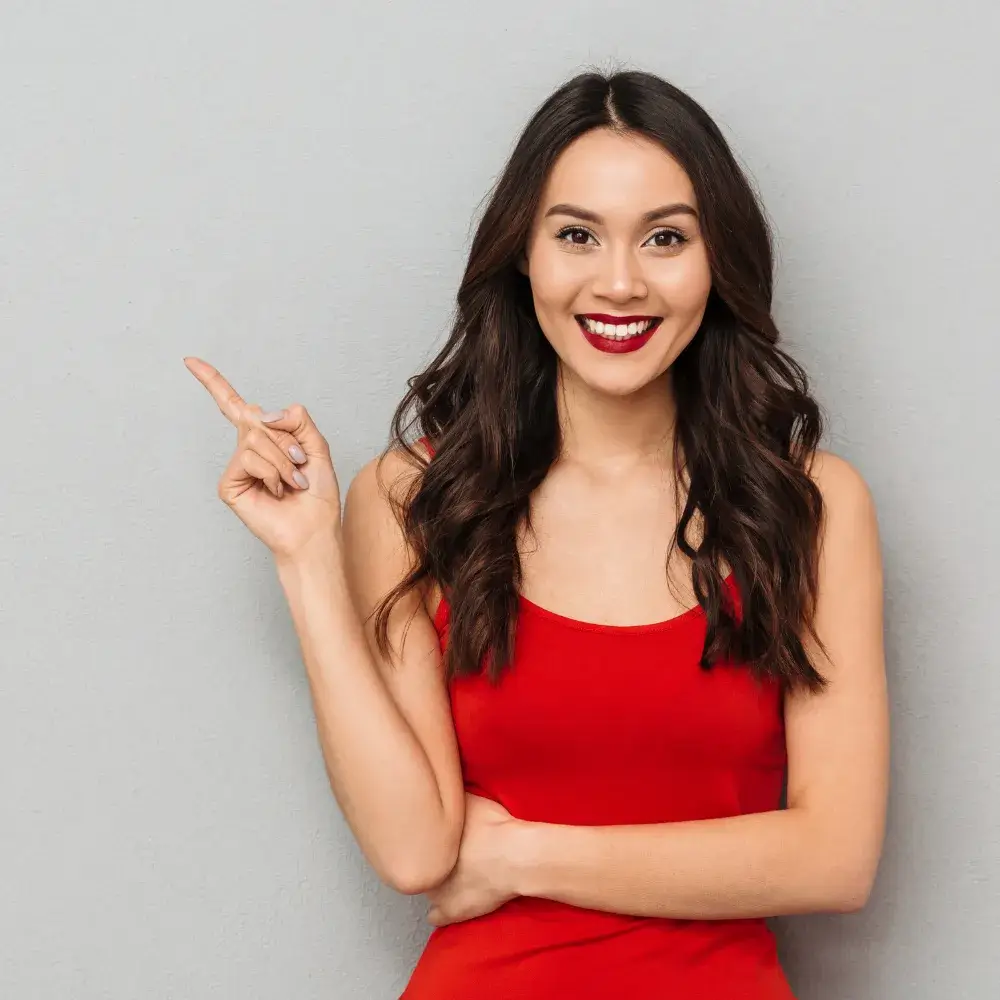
<point x="610" y="725"/>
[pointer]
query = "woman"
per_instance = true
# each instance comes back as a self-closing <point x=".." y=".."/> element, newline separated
<point x="565" y="648"/>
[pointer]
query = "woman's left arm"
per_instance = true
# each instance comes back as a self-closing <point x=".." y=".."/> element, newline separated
<point x="821" y="852"/>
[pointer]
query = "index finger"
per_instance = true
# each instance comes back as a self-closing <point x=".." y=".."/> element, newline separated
<point x="228" y="399"/>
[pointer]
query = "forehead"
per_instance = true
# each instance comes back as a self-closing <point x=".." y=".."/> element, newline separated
<point x="610" y="173"/>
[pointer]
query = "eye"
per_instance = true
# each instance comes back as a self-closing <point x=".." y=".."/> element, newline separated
<point x="680" y="238"/>
<point x="574" y="231"/>
<point x="662" y="239"/>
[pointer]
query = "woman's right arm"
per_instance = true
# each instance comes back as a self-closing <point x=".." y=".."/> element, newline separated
<point x="385" y="728"/>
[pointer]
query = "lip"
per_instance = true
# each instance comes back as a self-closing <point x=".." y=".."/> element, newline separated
<point x="609" y="346"/>
<point x="605" y="318"/>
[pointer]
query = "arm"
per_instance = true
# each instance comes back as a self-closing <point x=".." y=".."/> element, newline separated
<point x="818" y="854"/>
<point x="385" y="728"/>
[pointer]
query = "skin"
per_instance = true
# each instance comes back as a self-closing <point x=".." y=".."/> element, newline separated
<point x="384" y="728"/>
<point x="620" y="266"/>
<point x="616" y="411"/>
<point x="467" y="853"/>
<point x="822" y="851"/>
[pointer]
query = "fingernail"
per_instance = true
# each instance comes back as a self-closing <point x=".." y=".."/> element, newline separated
<point x="270" y="418"/>
<point x="298" y="455"/>
<point x="300" y="479"/>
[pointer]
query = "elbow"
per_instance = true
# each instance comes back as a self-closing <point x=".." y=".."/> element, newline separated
<point x="420" y="862"/>
<point x="848" y="903"/>
<point x="854" y="897"/>
<point x="848" y="890"/>
<point x="418" y="878"/>
<point x="842" y="869"/>
<point x="422" y="872"/>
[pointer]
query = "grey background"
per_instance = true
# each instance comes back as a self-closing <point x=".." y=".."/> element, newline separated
<point x="286" y="190"/>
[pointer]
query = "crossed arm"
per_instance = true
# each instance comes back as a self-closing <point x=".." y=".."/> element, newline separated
<point x="818" y="854"/>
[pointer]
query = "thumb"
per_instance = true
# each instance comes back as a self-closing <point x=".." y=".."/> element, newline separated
<point x="296" y="420"/>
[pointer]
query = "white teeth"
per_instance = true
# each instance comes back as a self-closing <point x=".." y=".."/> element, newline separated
<point x="617" y="331"/>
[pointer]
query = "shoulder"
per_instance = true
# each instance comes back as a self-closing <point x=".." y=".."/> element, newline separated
<point x="849" y="505"/>
<point x="372" y="521"/>
<point x="386" y="478"/>
<point x="832" y="472"/>
<point x="850" y="559"/>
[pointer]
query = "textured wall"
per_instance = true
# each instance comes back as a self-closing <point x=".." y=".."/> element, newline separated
<point x="286" y="190"/>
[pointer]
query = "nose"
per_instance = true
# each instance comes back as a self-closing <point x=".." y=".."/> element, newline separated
<point x="620" y="278"/>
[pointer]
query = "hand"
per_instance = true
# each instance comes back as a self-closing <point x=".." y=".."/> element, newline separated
<point x="259" y="483"/>
<point x="481" y="880"/>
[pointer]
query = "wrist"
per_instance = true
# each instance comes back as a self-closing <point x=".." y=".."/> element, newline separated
<point x="322" y="552"/>
<point x="526" y="853"/>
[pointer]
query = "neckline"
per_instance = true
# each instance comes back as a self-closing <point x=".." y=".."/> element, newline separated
<point x="577" y="623"/>
<point x="441" y="612"/>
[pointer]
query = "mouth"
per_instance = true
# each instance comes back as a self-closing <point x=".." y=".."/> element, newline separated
<point x="617" y="334"/>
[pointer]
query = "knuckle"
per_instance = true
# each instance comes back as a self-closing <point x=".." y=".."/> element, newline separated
<point x="282" y="439"/>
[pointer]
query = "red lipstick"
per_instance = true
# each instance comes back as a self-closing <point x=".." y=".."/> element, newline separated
<point x="613" y="345"/>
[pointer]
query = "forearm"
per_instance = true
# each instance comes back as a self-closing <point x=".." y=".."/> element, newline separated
<point x="378" y="771"/>
<point x="756" y="865"/>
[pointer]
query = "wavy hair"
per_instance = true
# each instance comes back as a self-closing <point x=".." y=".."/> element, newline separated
<point x="746" y="425"/>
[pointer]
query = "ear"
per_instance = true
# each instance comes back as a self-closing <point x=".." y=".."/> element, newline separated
<point x="522" y="263"/>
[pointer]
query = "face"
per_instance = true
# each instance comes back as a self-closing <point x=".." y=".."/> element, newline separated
<point x="618" y="292"/>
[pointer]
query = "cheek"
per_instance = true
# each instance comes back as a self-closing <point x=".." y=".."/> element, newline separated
<point x="685" y="286"/>
<point x="555" y="282"/>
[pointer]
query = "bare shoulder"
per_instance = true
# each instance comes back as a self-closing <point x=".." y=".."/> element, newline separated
<point x="375" y="494"/>
<point x="839" y="481"/>
<point x="386" y="477"/>
<point x="850" y="563"/>
<point x="850" y="515"/>
<point x="379" y="555"/>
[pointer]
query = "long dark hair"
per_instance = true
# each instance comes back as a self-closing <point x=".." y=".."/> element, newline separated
<point x="746" y="427"/>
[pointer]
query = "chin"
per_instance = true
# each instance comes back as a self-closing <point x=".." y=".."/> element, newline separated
<point x="602" y="378"/>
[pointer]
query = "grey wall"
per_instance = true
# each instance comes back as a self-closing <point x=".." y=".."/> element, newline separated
<point x="286" y="190"/>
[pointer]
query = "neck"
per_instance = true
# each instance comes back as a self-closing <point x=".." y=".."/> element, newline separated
<point x="602" y="429"/>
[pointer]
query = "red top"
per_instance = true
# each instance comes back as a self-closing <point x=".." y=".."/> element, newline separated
<point x="610" y="725"/>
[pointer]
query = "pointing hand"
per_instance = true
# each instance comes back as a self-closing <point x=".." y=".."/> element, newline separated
<point x="280" y="481"/>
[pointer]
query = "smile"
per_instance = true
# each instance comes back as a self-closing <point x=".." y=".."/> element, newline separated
<point x="618" y="334"/>
<point x="618" y="328"/>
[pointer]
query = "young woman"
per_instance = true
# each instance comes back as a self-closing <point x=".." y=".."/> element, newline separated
<point x="567" y="647"/>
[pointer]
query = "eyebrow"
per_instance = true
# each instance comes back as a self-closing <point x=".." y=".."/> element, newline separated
<point x="677" y="208"/>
